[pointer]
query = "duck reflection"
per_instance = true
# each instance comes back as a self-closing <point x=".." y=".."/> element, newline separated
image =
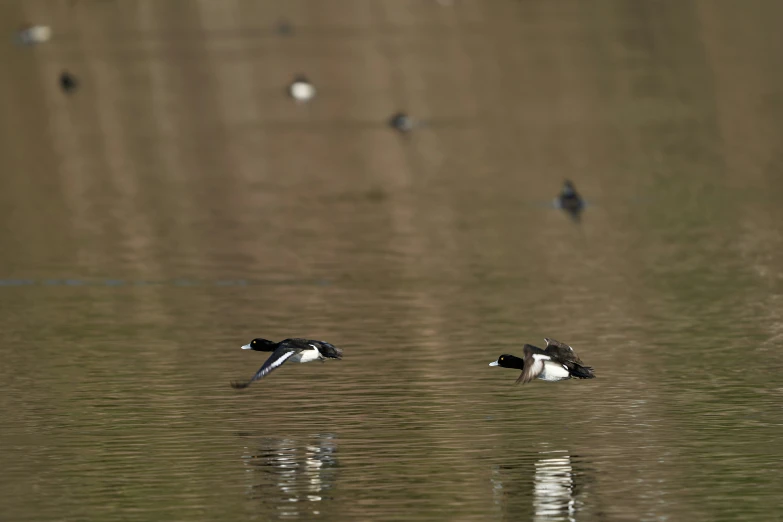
<point x="290" y="472"/>
<point x="556" y="487"/>
<point x="553" y="489"/>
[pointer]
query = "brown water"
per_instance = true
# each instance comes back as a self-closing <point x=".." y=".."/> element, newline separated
<point x="178" y="204"/>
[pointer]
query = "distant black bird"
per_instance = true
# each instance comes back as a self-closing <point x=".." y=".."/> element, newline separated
<point x="569" y="200"/>
<point x="284" y="28"/>
<point x="402" y="122"/>
<point x="294" y="350"/>
<point x="301" y="89"/>
<point x="68" y="82"/>
<point x="555" y="363"/>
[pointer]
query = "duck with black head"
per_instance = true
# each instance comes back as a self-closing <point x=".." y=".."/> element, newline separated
<point x="556" y="362"/>
<point x="294" y="350"/>
<point x="569" y="200"/>
<point x="68" y="82"/>
<point x="402" y="122"/>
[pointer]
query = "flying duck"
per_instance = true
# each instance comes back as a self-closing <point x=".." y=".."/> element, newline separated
<point x="556" y="362"/>
<point x="295" y="350"/>
<point x="570" y="200"/>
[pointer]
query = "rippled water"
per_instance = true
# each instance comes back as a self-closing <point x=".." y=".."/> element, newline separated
<point x="178" y="205"/>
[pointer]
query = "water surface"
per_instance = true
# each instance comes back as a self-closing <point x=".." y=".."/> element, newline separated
<point x="178" y="205"/>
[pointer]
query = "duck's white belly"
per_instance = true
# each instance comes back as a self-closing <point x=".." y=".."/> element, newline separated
<point x="302" y="91"/>
<point x="553" y="372"/>
<point x="306" y="356"/>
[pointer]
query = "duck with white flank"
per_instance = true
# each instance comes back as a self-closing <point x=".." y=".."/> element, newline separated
<point x="34" y="34"/>
<point x="294" y="350"/>
<point x="555" y="363"/>
<point x="301" y="89"/>
<point x="402" y="122"/>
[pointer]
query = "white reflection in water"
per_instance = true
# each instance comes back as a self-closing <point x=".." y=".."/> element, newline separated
<point x="288" y="472"/>
<point x="551" y="480"/>
<point x="553" y="494"/>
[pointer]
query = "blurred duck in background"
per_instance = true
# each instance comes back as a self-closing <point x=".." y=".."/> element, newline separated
<point x="33" y="34"/>
<point x="301" y="89"/>
<point x="570" y="200"/>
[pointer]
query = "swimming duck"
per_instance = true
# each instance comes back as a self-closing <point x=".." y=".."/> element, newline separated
<point x="68" y="82"/>
<point x="284" y="27"/>
<point x="402" y="122"/>
<point x="301" y="89"/>
<point x="570" y="200"/>
<point x="556" y="362"/>
<point x="294" y="350"/>
<point x="34" y="34"/>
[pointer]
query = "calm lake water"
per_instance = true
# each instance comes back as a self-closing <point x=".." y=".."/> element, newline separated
<point x="178" y="204"/>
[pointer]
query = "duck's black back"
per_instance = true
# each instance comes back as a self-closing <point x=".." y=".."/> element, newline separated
<point x="296" y="343"/>
<point x="326" y="349"/>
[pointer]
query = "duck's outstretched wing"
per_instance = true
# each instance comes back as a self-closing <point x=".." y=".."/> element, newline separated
<point x="274" y="362"/>
<point x="534" y="364"/>
<point x="557" y="344"/>
<point x="561" y="351"/>
<point x="568" y="357"/>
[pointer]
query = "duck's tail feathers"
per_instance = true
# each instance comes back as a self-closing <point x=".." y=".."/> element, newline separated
<point x="582" y="372"/>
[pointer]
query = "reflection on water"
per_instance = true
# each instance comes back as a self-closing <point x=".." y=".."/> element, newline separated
<point x="179" y="204"/>
<point x="554" y="489"/>
<point x="292" y="473"/>
<point x="547" y="487"/>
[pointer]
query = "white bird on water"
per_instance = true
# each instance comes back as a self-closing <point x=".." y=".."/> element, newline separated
<point x="301" y="89"/>
<point x="34" y="34"/>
